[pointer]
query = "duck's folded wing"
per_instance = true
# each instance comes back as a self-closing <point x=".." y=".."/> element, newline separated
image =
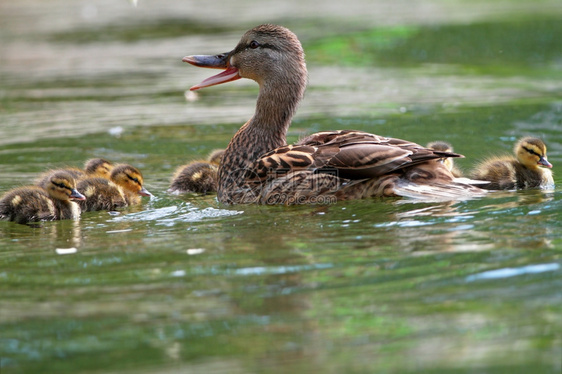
<point x="349" y="154"/>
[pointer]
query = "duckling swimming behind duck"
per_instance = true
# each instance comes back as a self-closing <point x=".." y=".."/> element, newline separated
<point x="442" y="146"/>
<point x="215" y="156"/>
<point x="130" y="179"/>
<point x="195" y="177"/>
<point x="53" y="202"/>
<point x="522" y="172"/>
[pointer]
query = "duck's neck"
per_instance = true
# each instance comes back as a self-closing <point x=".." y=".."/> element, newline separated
<point x="265" y="131"/>
<point x="275" y="108"/>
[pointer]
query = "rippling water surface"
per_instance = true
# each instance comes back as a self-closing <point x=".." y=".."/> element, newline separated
<point x="184" y="284"/>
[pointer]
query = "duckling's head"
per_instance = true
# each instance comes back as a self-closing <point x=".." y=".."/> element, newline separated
<point x="266" y="54"/>
<point x="99" y="167"/>
<point x="215" y="156"/>
<point x="62" y="186"/>
<point x="129" y="178"/>
<point x="531" y="152"/>
<point x="442" y="146"/>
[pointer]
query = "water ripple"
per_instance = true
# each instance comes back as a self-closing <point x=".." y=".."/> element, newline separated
<point x="170" y="215"/>
<point x="513" y="272"/>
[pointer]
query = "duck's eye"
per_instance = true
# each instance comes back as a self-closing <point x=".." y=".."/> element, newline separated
<point x="254" y="44"/>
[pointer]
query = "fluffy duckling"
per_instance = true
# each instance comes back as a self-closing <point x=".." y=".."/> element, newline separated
<point x="524" y="171"/>
<point x="53" y="202"/>
<point x="98" y="167"/>
<point x="95" y="167"/>
<point x="101" y="194"/>
<point x="195" y="177"/>
<point x="131" y="181"/>
<point x="215" y="156"/>
<point x="440" y="145"/>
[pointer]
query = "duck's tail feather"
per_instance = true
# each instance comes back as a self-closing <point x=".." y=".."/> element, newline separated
<point x="472" y="182"/>
<point x="437" y="192"/>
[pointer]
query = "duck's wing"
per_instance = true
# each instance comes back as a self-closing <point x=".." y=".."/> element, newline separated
<point x="347" y="153"/>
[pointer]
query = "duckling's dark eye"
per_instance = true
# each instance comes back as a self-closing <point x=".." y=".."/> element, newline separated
<point x="60" y="185"/>
<point x="253" y="44"/>
<point x="531" y="151"/>
<point x="136" y="180"/>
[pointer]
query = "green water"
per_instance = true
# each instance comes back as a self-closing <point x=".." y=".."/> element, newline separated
<point x="184" y="284"/>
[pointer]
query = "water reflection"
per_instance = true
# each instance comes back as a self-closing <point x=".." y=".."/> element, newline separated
<point x="51" y="234"/>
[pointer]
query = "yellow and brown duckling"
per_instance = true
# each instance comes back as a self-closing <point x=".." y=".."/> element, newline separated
<point x="33" y="203"/>
<point x="98" y="167"/>
<point x="130" y="180"/>
<point x="443" y="146"/>
<point x="95" y="167"/>
<point x="101" y="194"/>
<point x="529" y="168"/>
<point x="215" y="156"/>
<point x="197" y="176"/>
<point x="259" y="167"/>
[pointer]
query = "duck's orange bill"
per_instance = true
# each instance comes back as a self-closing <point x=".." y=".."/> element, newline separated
<point x="214" y="62"/>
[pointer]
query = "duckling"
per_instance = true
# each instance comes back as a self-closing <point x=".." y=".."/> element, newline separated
<point x="33" y="203"/>
<point x="98" y="167"/>
<point x="440" y="145"/>
<point x="93" y="167"/>
<point x="101" y="194"/>
<point x="215" y="156"/>
<point x="197" y="177"/>
<point x="522" y="172"/>
<point x="131" y="181"/>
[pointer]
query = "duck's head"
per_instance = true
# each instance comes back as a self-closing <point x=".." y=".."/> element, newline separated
<point x="98" y="166"/>
<point x="531" y="152"/>
<point x="266" y="53"/>
<point x="62" y="186"/>
<point x="129" y="178"/>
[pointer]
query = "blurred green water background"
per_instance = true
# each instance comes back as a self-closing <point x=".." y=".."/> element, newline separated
<point x="182" y="284"/>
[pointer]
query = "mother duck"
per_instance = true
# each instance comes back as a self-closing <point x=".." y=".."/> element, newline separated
<point x="259" y="167"/>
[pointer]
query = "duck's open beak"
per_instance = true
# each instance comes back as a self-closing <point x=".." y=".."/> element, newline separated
<point x="544" y="162"/>
<point x="75" y="195"/>
<point x="214" y="62"/>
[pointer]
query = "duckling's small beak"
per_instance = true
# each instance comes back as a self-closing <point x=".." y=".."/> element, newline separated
<point x="75" y="195"/>
<point x="144" y="192"/>
<point x="214" y="62"/>
<point x="544" y="162"/>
